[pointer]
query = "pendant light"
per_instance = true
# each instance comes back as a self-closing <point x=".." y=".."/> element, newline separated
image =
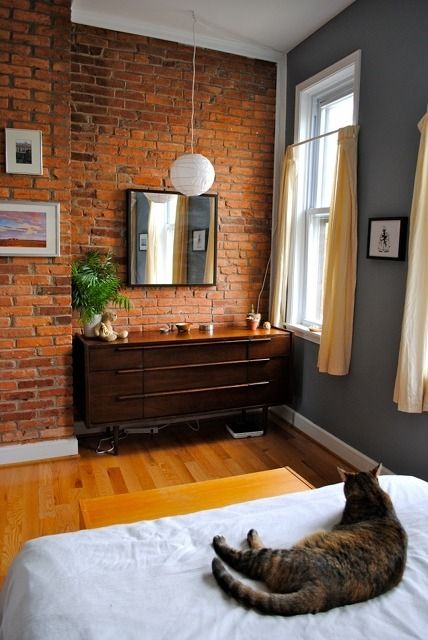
<point x="192" y="173"/>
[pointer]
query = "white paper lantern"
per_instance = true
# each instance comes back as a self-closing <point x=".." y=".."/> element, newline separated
<point x="192" y="174"/>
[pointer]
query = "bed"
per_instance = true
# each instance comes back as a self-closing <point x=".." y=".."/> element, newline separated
<point x="151" y="580"/>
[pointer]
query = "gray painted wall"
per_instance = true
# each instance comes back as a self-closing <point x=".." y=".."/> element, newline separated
<point x="358" y="408"/>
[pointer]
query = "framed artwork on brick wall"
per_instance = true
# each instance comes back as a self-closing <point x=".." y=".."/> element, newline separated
<point x="24" y="151"/>
<point x="29" y="228"/>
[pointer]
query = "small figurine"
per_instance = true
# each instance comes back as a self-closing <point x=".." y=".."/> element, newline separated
<point x="104" y="329"/>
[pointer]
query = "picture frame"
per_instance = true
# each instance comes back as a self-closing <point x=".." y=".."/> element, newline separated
<point x="386" y="239"/>
<point x="199" y="240"/>
<point x="29" y="228"/>
<point x="23" y="148"/>
<point x="143" y="241"/>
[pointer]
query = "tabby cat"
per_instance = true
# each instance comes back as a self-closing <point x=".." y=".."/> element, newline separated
<point x="360" y="558"/>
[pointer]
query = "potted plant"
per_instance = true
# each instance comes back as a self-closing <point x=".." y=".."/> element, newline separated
<point x="94" y="285"/>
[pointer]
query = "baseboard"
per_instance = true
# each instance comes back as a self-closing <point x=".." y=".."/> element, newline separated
<point x="36" y="451"/>
<point x="348" y="454"/>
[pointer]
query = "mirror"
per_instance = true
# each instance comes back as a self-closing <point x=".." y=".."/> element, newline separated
<point x="172" y="239"/>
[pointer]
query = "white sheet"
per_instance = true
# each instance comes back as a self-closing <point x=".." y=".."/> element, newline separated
<point x="152" y="580"/>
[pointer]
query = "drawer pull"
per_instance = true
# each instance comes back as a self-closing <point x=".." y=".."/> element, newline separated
<point x="131" y="396"/>
<point x="136" y="347"/>
<point x="259" y="361"/>
<point x="253" y="340"/>
<point x="180" y="392"/>
<point x="195" y="344"/>
<point x="136" y="370"/>
<point x="196" y="365"/>
<point x="258" y="384"/>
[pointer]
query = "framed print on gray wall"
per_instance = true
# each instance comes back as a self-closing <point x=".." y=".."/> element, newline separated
<point x="24" y="151"/>
<point x="199" y="239"/>
<point x="387" y="238"/>
<point x="29" y="228"/>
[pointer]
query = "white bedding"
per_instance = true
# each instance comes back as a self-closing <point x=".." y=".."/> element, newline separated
<point x="152" y="580"/>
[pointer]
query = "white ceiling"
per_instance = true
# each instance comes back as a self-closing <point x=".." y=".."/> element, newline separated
<point x="263" y="29"/>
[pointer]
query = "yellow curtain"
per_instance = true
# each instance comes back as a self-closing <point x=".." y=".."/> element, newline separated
<point x="152" y="247"/>
<point x="281" y="238"/>
<point x="340" y="271"/>
<point x="179" y="265"/>
<point x="411" y="384"/>
<point x="132" y="246"/>
<point x="209" y="258"/>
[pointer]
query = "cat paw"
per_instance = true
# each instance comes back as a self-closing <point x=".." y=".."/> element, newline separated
<point x="219" y="541"/>
<point x="251" y="536"/>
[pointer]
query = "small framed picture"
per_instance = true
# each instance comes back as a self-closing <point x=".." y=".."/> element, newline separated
<point x="24" y="151"/>
<point x="29" y="228"/>
<point x="387" y="238"/>
<point x="199" y="240"/>
<point x="143" y="241"/>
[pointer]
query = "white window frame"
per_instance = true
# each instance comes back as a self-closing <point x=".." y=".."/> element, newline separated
<point x="330" y="84"/>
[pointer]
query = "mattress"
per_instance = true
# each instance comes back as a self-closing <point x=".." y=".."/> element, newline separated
<point x="152" y="580"/>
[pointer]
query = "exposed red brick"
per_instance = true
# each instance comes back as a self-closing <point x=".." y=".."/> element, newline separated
<point x="35" y="79"/>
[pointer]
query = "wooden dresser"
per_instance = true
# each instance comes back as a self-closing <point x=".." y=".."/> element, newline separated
<point x="153" y="376"/>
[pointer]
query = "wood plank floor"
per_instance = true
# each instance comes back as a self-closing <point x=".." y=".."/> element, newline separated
<point x="42" y="498"/>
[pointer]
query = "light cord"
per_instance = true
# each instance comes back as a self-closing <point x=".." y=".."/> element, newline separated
<point x="263" y="285"/>
<point x="193" y="81"/>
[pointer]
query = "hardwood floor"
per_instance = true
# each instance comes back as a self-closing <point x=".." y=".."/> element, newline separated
<point x="42" y="498"/>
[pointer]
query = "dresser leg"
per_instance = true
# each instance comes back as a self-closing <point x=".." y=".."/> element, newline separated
<point x="264" y="419"/>
<point x="115" y="440"/>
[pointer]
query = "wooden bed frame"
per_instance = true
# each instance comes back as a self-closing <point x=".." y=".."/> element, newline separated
<point x="186" y="498"/>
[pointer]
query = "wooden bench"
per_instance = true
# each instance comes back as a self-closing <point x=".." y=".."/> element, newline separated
<point x="186" y="498"/>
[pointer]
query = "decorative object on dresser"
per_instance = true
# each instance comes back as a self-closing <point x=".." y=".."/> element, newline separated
<point x="94" y="285"/>
<point x="253" y="319"/>
<point x="153" y="376"/>
<point x="183" y="327"/>
<point x="104" y="329"/>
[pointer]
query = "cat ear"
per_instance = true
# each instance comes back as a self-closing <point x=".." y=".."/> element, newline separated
<point x="377" y="469"/>
<point x="342" y="473"/>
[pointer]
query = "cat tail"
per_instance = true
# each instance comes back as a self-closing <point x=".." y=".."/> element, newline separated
<point x="282" y="604"/>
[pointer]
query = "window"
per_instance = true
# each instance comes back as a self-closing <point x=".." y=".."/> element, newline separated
<point x="324" y="104"/>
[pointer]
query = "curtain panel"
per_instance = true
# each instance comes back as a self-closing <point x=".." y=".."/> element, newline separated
<point x="340" y="271"/>
<point x="179" y="265"/>
<point x="411" y="384"/>
<point x="281" y="238"/>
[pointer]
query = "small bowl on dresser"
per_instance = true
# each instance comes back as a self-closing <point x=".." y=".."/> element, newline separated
<point x="183" y="327"/>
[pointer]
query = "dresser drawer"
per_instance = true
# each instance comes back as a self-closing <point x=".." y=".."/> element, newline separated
<point x="269" y="347"/>
<point x="270" y="392"/>
<point x="195" y="376"/>
<point x="120" y="357"/>
<point x="195" y="402"/>
<point x="266" y="369"/>
<point x="194" y="353"/>
<point x="115" y="397"/>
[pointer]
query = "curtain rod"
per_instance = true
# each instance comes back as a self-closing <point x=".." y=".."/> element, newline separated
<point x="322" y="135"/>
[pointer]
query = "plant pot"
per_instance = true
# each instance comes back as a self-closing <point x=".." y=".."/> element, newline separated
<point x="88" y="328"/>
<point x="253" y="323"/>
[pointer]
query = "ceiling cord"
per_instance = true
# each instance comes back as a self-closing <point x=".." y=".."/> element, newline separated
<point x="193" y="80"/>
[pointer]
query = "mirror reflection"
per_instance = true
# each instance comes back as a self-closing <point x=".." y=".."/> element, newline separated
<point x="171" y="238"/>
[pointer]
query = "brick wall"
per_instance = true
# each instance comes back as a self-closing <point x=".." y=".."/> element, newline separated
<point x="35" y="316"/>
<point x="130" y="112"/>
<point x="131" y="99"/>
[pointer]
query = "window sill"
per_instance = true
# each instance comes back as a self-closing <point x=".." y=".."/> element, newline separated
<point x="303" y="332"/>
